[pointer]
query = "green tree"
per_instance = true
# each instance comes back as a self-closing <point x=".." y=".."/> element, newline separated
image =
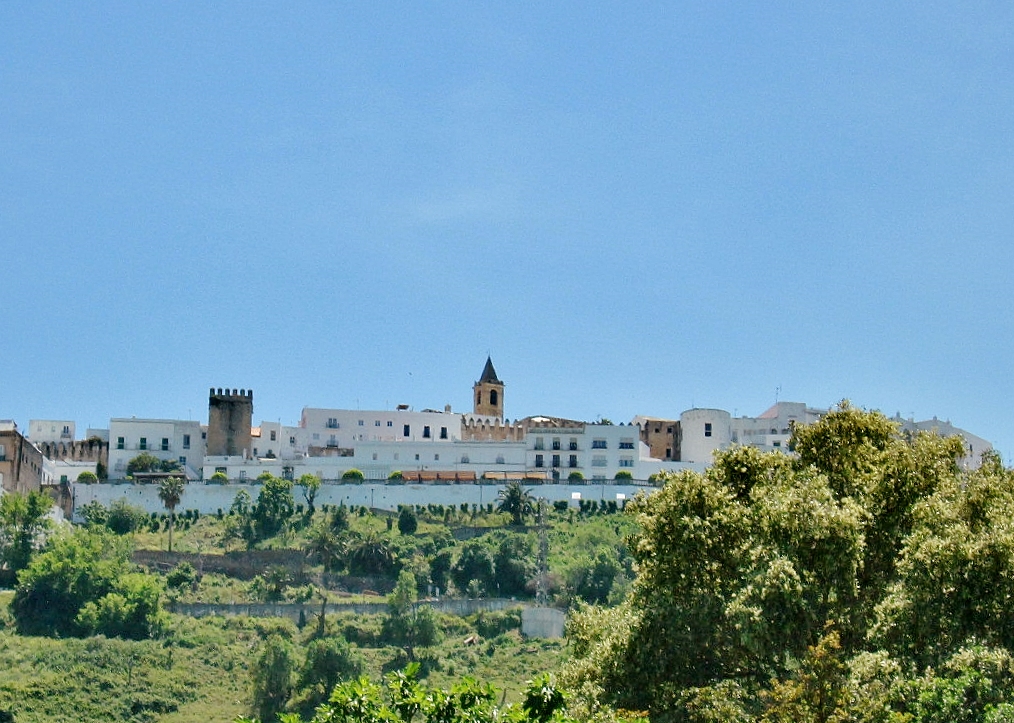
<point x="23" y="523"/>
<point x="327" y="547"/>
<point x="475" y="562"/>
<point x="79" y="568"/>
<point x="170" y="491"/>
<point x="144" y="462"/>
<point x="513" y="564"/>
<point x="407" y="521"/>
<point x="516" y="501"/>
<point x="328" y="662"/>
<point x="274" y="507"/>
<point x="124" y="518"/>
<point x="271" y="675"/>
<point x="311" y="486"/>
<point x="371" y="555"/>
<point x="87" y="478"/>
<point x="408" y="625"/>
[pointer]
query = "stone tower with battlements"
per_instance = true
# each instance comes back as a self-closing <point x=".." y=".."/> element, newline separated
<point x="488" y="392"/>
<point x="230" y="418"/>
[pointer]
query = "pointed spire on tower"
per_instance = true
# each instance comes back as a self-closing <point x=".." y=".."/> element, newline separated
<point x="489" y="373"/>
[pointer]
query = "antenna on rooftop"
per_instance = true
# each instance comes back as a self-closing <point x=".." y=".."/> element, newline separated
<point x="778" y="390"/>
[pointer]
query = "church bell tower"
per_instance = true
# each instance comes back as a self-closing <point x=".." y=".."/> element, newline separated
<point x="488" y="393"/>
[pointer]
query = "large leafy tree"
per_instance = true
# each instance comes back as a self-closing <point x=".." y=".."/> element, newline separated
<point x="23" y="520"/>
<point x="170" y="491"/>
<point x="851" y="573"/>
<point x="84" y="583"/>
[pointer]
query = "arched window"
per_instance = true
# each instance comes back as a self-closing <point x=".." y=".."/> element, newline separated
<point x="478" y="397"/>
<point x="492" y="397"/>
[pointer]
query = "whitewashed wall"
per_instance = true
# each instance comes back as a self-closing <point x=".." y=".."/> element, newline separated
<point x="207" y="499"/>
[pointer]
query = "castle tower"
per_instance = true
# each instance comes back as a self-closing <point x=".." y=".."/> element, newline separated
<point x="230" y="418"/>
<point x="488" y="392"/>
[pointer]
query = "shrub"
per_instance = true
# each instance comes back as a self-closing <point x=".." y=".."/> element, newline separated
<point x="353" y="475"/>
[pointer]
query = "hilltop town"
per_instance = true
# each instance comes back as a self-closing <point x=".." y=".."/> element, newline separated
<point x="428" y="446"/>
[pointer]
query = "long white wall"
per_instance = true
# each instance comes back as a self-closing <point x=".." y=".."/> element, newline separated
<point x="208" y="499"/>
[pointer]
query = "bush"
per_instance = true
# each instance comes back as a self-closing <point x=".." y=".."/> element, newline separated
<point x="623" y="475"/>
<point x="84" y="584"/>
<point x="124" y="518"/>
<point x="353" y="475"/>
<point x="87" y="478"/>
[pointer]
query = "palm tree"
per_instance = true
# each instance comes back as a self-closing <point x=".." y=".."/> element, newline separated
<point x="170" y="490"/>
<point x="517" y="502"/>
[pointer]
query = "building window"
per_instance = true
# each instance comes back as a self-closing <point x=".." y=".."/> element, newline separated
<point x="332" y="442"/>
<point x="390" y="423"/>
<point x="436" y="458"/>
<point x="273" y="436"/>
<point x="499" y="459"/>
<point x="464" y="459"/>
<point x="316" y="436"/>
<point x="360" y="423"/>
<point x="223" y="470"/>
<point x="598" y="461"/>
<point x="186" y="441"/>
<point x="417" y="458"/>
<point x="556" y="442"/>
<point x="626" y="443"/>
<point x="144" y="443"/>
<point x="288" y="473"/>
<point x="376" y="423"/>
<point x="707" y="429"/>
<point x="478" y="397"/>
<point x="3" y="453"/>
<point x="332" y="423"/>
<point x="426" y="432"/>
<point x="539" y="443"/>
<point x="626" y="461"/>
<point x="556" y="460"/>
<point x="598" y="444"/>
<point x="572" y="445"/>
<point x="165" y="444"/>
<point x="292" y="441"/>
<point x="443" y="433"/>
<point x="119" y="443"/>
<point x="374" y="456"/>
<point x="573" y="461"/>
<point x="242" y="474"/>
<point x="406" y="431"/>
<point x="493" y="397"/>
<point x="539" y="461"/>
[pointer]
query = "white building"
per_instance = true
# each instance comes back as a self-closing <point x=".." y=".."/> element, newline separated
<point x="166" y="439"/>
<point x="52" y="431"/>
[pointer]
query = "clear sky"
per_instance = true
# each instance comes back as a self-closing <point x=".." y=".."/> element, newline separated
<point x="635" y="208"/>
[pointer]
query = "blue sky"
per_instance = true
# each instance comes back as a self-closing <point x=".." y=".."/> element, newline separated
<point x="635" y="208"/>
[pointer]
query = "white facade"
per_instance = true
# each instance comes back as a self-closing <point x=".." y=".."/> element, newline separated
<point x="60" y="470"/>
<point x="974" y="446"/>
<point x="343" y="428"/>
<point x="771" y="430"/>
<point x="183" y="441"/>
<point x="597" y="451"/>
<point x="702" y="433"/>
<point x="49" y="430"/>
